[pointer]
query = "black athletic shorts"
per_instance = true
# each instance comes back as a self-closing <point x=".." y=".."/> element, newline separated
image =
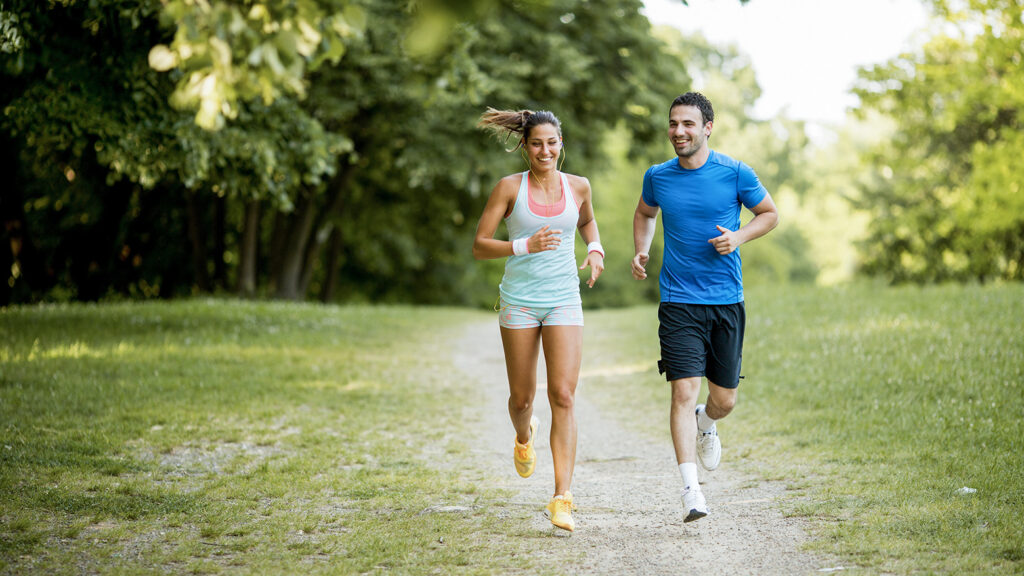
<point x="702" y="340"/>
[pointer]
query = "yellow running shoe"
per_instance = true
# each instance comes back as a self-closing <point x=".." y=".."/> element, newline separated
<point x="524" y="454"/>
<point x="560" y="511"/>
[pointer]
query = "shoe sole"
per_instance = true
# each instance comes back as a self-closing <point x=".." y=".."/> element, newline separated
<point x="706" y="467"/>
<point x="547" y="513"/>
<point x="694" y="515"/>
<point x="566" y="528"/>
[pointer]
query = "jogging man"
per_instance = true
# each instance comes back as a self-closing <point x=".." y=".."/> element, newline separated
<point x="701" y="315"/>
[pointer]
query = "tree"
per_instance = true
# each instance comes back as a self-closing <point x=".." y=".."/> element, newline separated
<point x="945" y="199"/>
<point x="774" y="148"/>
<point x="231" y="52"/>
<point x="419" y="172"/>
<point x="167" y="133"/>
<point x="83" y="102"/>
<point x="777" y="149"/>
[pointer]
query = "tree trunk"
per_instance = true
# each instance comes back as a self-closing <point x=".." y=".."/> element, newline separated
<point x="19" y="263"/>
<point x="313" y="246"/>
<point x="95" y="253"/>
<point x="331" y="270"/>
<point x="288" y="287"/>
<point x="278" y="240"/>
<point x="197" y="239"/>
<point x="323" y="226"/>
<point x="248" y="251"/>
<point x="220" y="273"/>
<point x="19" y="260"/>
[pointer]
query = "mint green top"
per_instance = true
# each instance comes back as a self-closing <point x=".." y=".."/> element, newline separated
<point x="547" y="278"/>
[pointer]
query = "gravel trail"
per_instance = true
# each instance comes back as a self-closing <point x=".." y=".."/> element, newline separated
<point x="627" y="489"/>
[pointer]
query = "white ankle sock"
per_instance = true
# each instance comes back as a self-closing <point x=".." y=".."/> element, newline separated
<point x="704" y="422"/>
<point x="689" y="472"/>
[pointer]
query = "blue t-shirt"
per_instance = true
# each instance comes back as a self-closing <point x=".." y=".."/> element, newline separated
<point x="692" y="202"/>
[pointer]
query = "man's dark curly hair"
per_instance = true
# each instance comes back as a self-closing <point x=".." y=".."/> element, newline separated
<point x="697" y="100"/>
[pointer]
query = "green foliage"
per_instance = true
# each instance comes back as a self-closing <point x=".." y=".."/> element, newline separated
<point x="945" y="194"/>
<point x="616" y="190"/>
<point x="119" y="108"/>
<point x="231" y="53"/>
<point x="92" y="128"/>
<point x="727" y="78"/>
<point x="271" y="153"/>
<point x="418" y="156"/>
<point x="779" y="258"/>
<point x="364" y="174"/>
<point x="11" y="40"/>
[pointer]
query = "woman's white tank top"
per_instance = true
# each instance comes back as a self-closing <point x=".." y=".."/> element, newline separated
<point x="547" y="278"/>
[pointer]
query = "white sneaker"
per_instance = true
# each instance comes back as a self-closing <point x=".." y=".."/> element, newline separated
<point x="694" y="504"/>
<point x="709" y="449"/>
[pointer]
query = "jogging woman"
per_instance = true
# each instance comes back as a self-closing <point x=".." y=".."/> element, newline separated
<point x="540" y="293"/>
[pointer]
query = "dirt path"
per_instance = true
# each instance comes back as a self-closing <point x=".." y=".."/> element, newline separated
<point x="627" y="488"/>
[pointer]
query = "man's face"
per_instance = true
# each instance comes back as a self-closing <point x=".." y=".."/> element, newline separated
<point x="687" y="130"/>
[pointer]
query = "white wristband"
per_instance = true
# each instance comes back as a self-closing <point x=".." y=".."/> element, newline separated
<point x="595" y="247"/>
<point x="520" y="247"/>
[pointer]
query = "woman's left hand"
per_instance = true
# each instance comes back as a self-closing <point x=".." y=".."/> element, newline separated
<point x="596" y="263"/>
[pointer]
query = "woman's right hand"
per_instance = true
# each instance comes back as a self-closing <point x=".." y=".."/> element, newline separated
<point x="544" y="239"/>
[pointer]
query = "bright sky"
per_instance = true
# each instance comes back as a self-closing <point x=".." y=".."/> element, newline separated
<point x="805" y="52"/>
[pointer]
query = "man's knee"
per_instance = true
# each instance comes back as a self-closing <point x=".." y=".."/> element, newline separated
<point x="721" y="401"/>
<point x="685" y="390"/>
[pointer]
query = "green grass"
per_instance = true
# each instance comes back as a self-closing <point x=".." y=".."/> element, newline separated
<point x="212" y="436"/>
<point x="875" y="405"/>
<point x="216" y="436"/>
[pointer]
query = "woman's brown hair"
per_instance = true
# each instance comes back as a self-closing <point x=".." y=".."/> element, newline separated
<point x="506" y="123"/>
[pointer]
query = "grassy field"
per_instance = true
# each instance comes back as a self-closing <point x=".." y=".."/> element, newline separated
<point x="876" y="406"/>
<point x="204" y="437"/>
<point x="215" y="436"/>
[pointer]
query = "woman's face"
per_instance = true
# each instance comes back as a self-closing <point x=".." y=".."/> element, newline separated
<point x="543" y="147"/>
